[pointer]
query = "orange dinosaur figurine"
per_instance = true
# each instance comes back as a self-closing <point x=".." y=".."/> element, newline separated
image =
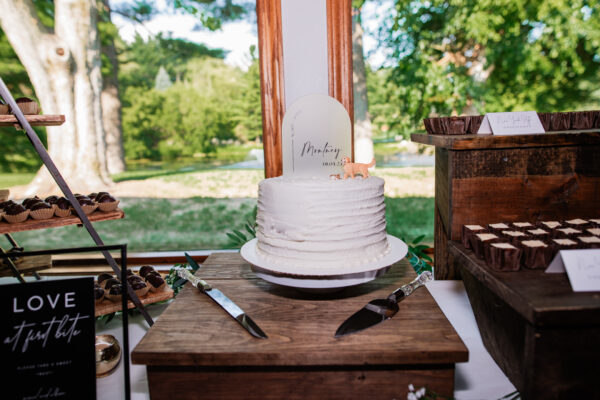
<point x="351" y="169"/>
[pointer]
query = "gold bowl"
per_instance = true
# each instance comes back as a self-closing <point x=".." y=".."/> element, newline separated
<point x="108" y="355"/>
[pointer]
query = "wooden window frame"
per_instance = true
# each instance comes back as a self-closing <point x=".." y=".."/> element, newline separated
<point x="270" y="47"/>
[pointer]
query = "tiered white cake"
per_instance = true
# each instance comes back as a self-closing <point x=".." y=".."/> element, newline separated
<point x="333" y="223"/>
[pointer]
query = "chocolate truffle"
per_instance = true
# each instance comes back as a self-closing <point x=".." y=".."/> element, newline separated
<point x="99" y="195"/>
<point x="6" y="204"/>
<point x="92" y="195"/>
<point x="110" y="283"/>
<point x="40" y="205"/>
<point x="502" y="256"/>
<point x="63" y="203"/>
<point x="15" y="209"/>
<point x="85" y="201"/>
<point x="51" y="199"/>
<point x="469" y="230"/>
<point x="139" y="287"/>
<point x="155" y="282"/>
<point x="98" y="293"/>
<point x="134" y="278"/>
<point x="114" y="292"/>
<point x="144" y="269"/>
<point x="103" y="277"/>
<point x="536" y="254"/>
<point x="479" y="240"/>
<point x="30" y="200"/>
<point x="106" y="199"/>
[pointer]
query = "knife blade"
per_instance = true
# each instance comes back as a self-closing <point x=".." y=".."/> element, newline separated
<point x="232" y="309"/>
<point x="379" y="310"/>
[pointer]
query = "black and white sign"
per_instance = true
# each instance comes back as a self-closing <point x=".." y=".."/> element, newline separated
<point x="47" y="335"/>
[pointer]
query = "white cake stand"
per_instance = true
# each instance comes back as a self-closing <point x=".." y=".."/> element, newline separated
<point x="315" y="277"/>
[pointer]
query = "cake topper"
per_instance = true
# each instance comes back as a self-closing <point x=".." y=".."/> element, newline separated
<point x="351" y="169"/>
<point x="316" y="133"/>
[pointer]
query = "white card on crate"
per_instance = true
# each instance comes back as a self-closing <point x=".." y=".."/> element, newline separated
<point x="582" y="267"/>
<point x="316" y="135"/>
<point x="511" y="123"/>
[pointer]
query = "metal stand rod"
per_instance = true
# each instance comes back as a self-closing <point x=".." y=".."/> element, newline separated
<point x="41" y="150"/>
<point x="13" y="268"/>
<point x="125" y="323"/>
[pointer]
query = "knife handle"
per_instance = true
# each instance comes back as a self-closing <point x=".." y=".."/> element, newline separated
<point x="199" y="283"/>
<point x="407" y="289"/>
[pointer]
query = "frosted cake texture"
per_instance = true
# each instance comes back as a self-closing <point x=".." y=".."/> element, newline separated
<point x="333" y="223"/>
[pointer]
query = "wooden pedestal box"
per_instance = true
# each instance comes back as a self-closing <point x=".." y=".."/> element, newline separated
<point x="482" y="179"/>
<point x="544" y="336"/>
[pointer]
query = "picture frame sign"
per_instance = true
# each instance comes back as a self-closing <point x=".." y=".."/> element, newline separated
<point x="316" y="135"/>
<point x="48" y="339"/>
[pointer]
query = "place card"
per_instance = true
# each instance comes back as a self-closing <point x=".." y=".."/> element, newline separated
<point x="47" y="339"/>
<point x="511" y="123"/>
<point x="316" y="135"/>
<point x="582" y="267"/>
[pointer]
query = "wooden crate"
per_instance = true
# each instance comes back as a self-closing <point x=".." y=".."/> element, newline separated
<point x="481" y="179"/>
<point x="544" y="336"/>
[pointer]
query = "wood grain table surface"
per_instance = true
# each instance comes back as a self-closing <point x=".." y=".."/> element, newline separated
<point x="196" y="331"/>
<point x="194" y="342"/>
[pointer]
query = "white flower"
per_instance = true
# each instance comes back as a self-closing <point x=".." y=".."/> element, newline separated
<point x="411" y="387"/>
<point x="411" y="396"/>
<point x="420" y="393"/>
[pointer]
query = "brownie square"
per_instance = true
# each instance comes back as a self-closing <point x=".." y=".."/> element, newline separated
<point x="498" y="227"/>
<point x="549" y="224"/>
<point x="521" y="226"/>
<point x="468" y="231"/>
<point x="539" y="233"/>
<point x="593" y="231"/>
<point x="479" y="240"/>
<point x="536" y="254"/>
<point x="578" y="223"/>
<point x="515" y="237"/>
<point x="589" y="242"/>
<point x="563" y="244"/>
<point x="566" y="233"/>
<point x="502" y="256"/>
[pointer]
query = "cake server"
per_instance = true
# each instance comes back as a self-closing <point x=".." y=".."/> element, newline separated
<point x="380" y="309"/>
<point x="232" y="309"/>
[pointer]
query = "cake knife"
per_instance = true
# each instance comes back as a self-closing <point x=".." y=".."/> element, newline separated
<point x="380" y="309"/>
<point x="232" y="309"/>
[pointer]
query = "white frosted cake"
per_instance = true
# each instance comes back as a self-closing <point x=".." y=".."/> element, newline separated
<point x="330" y="223"/>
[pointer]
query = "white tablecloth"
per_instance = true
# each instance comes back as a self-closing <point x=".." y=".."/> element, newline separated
<point x="479" y="378"/>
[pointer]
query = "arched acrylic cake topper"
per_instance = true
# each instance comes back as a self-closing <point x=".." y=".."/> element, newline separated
<point x="316" y="135"/>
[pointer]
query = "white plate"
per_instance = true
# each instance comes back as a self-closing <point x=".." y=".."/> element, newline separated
<point x="314" y="277"/>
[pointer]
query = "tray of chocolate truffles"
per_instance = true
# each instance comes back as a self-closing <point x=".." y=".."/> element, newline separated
<point x="37" y="213"/>
<point x="552" y="122"/>
<point x="148" y="284"/>
<point x="512" y="246"/>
